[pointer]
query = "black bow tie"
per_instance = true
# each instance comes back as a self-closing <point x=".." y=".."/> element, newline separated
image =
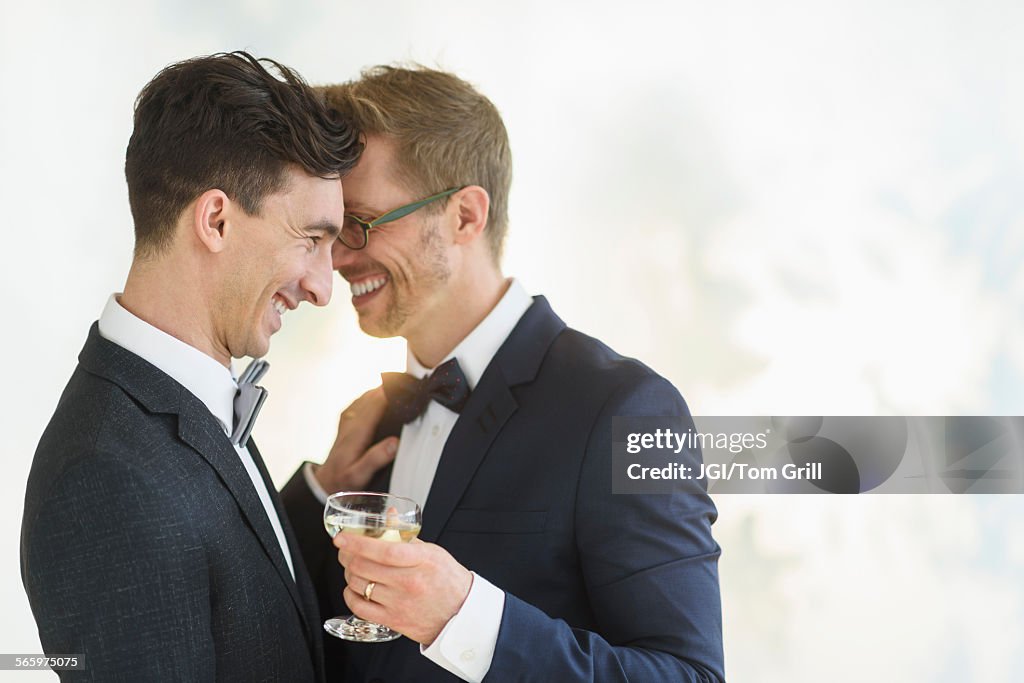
<point x="408" y="397"/>
<point x="248" y="401"/>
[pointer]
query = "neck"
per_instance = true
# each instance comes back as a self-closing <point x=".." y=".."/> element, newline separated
<point x="156" y="293"/>
<point x="453" y="319"/>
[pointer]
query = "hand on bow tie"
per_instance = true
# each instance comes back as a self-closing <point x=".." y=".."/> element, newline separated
<point x="352" y="461"/>
<point x="408" y="396"/>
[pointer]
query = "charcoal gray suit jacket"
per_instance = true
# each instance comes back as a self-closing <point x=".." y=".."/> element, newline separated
<point x="145" y="548"/>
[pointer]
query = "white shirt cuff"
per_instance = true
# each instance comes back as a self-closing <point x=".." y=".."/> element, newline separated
<point x="465" y="646"/>
<point x="313" y="484"/>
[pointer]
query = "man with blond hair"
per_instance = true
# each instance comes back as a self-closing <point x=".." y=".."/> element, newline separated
<point x="531" y="569"/>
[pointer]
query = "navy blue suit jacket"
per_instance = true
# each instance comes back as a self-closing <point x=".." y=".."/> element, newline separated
<point x="144" y="546"/>
<point x="599" y="587"/>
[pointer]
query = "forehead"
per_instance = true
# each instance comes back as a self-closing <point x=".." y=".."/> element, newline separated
<point x="308" y="198"/>
<point x="373" y="186"/>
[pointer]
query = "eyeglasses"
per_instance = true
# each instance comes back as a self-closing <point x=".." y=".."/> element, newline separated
<point x="355" y="232"/>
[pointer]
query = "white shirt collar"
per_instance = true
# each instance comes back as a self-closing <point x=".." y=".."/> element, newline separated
<point x="207" y="379"/>
<point x="476" y="351"/>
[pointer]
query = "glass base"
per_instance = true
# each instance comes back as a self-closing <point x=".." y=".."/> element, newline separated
<point x="355" y="629"/>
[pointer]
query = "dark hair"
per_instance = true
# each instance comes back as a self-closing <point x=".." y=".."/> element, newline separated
<point x="226" y="122"/>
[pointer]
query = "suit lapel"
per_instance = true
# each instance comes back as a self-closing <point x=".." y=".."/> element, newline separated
<point x="308" y="604"/>
<point x="198" y="428"/>
<point x="488" y="409"/>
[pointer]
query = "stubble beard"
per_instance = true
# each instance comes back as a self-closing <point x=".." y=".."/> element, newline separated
<point x="431" y="272"/>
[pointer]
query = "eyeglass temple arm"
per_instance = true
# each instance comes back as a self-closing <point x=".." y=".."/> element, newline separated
<point x="404" y="211"/>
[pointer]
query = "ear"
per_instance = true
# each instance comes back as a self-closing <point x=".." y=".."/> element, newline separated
<point x="471" y="205"/>
<point x="209" y="219"/>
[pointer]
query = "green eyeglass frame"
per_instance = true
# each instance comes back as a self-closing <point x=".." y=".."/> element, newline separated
<point x="358" y="236"/>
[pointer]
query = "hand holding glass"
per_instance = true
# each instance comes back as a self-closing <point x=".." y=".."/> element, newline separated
<point x="377" y="515"/>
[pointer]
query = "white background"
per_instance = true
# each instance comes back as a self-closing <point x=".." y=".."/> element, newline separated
<point x="785" y="208"/>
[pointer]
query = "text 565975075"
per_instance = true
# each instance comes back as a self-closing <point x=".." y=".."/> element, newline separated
<point x="16" y="662"/>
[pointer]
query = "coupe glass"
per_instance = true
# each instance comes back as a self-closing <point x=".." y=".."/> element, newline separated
<point x="377" y="515"/>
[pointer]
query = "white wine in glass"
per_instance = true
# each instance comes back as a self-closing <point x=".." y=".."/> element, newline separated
<point x="377" y="515"/>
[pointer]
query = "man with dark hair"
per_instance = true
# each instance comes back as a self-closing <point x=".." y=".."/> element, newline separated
<point x="153" y="542"/>
<point x="531" y="570"/>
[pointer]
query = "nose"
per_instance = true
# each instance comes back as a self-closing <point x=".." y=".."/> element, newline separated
<point x="319" y="280"/>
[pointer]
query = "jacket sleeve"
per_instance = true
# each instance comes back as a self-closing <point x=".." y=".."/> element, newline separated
<point x="114" y="574"/>
<point x="650" y="567"/>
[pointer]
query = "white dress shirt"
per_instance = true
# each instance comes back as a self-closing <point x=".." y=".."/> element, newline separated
<point x="466" y="645"/>
<point x="207" y="379"/>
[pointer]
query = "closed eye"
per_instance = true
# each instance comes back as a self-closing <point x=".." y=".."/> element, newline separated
<point x="314" y="242"/>
<point x="358" y="219"/>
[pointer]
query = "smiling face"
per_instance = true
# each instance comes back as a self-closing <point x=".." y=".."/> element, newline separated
<point x="277" y="260"/>
<point x="400" y="277"/>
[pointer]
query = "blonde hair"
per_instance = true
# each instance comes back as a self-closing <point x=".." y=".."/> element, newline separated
<point x="446" y="133"/>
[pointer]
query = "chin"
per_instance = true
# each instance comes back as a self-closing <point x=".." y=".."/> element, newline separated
<point x="375" y="329"/>
<point x="257" y="348"/>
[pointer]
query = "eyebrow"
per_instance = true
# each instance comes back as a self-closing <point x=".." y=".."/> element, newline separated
<point x="359" y="208"/>
<point x="324" y="226"/>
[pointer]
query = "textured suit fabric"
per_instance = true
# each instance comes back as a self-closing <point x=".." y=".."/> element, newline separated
<point x="599" y="587"/>
<point x="144" y="545"/>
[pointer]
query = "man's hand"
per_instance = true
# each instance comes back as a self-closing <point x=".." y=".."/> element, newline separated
<point x="418" y="587"/>
<point x="352" y="462"/>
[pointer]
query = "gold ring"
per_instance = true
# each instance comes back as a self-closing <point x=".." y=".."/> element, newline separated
<point x="368" y="591"/>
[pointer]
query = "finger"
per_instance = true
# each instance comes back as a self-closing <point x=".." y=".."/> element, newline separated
<point x="370" y="610"/>
<point x="355" y="428"/>
<point x="360" y="567"/>
<point x="374" y="398"/>
<point x="368" y="409"/>
<point x="376" y="457"/>
<point x="355" y="603"/>
<point x="356" y="583"/>
<point x="357" y="424"/>
<point x="356" y="580"/>
<point x="380" y="593"/>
